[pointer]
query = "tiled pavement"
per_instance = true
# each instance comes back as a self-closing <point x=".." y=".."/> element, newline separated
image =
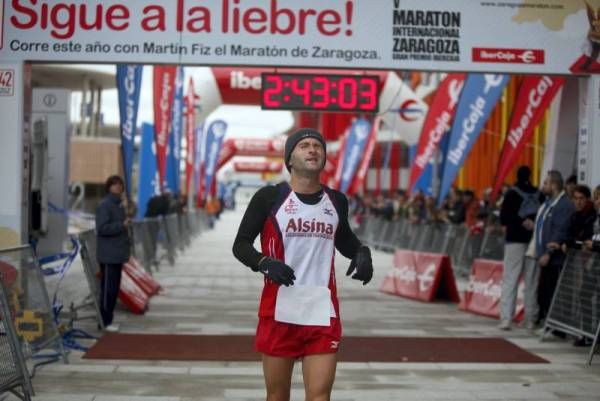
<point x="209" y="292"/>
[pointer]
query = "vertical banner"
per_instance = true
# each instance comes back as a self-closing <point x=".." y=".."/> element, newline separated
<point x="148" y="184"/>
<point x="437" y="123"/>
<point x="129" y="80"/>
<point x="173" y="182"/>
<point x="164" y="91"/>
<point x="214" y="140"/>
<point x="352" y="152"/>
<point x="199" y="141"/>
<point x="535" y="95"/>
<point x="480" y="94"/>
<point x="359" y="178"/>
<point x="190" y="135"/>
<point x="402" y="111"/>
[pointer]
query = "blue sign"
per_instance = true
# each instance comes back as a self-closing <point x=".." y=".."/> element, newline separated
<point x="214" y="140"/>
<point x="129" y="80"/>
<point x="354" y="151"/>
<point x="479" y="96"/>
<point x="173" y="183"/>
<point x="148" y="180"/>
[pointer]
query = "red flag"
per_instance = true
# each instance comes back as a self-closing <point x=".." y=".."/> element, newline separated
<point x="190" y="122"/>
<point x="164" y="91"/>
<point x="361" y="173"/>
<point x="437" y="123"/>
<point x="535" y="95"/>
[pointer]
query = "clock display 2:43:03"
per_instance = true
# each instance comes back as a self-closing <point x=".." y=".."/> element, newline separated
<point x="352" y="93"/>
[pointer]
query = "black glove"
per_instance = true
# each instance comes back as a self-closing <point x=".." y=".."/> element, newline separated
<point x="362" y="264"/>
<point x="277" y="271"/>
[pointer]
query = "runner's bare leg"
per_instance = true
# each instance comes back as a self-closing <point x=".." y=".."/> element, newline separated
<point x="319" y="373"/>
<point x="278" y="377"/>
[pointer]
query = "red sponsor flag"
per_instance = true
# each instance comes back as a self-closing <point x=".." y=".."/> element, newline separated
<point x="437" y="123"/>
<point x="164" y="91"/>
<point x="535" y="95"/>
<point x="361" y="173"/>
<point x="190" y="121"/>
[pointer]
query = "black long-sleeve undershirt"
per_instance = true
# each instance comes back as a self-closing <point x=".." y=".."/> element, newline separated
<point x="258" y="211"/>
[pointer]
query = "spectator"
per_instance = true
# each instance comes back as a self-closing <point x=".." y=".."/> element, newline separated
<point x="112" y="246"/>
<point x="582" y="221"/>
<point x="400" y="205"/>
<point x="594" y="243"/>
<point x="570" y="186"/>
<point x="455" y="208"/>
<point x="551" y="230"/>
<point x="582" y="230"/>
<point x="518" y="224"/>
<point x="416" y="210"/>
<point x="471" y="207"/>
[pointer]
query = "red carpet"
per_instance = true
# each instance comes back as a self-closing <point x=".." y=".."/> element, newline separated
<point x="352" y="349"/>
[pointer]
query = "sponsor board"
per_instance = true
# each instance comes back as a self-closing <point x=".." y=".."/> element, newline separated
<point x="454" y="35"/>
<point x="482" y="294"/>
<point x="422" y="276"/>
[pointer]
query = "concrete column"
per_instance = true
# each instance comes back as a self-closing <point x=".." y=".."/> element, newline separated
<point x="15" y="115"/>
<point x="588" y="149"/>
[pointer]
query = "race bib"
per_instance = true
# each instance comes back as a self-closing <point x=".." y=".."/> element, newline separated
<point x="304" y="305"/>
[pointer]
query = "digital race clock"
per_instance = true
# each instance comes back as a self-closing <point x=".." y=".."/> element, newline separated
<point x="353" y="93"/>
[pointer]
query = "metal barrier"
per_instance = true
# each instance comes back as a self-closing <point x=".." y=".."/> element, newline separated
<point x="575" y="307"/>
<point x="30" y="305"/>
<point x="143" y="246"/>
<point x="172" y="226"/>
<point x="13" y="369"/>
<point x="91" y="269"/>
<point x="492" y="246"/>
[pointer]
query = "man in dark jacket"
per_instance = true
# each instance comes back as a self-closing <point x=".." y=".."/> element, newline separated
<point x="518" y="224"/>
<point x="581" y="231"/>
<point x="551" y="230"/>
<point x="113" y="247"/>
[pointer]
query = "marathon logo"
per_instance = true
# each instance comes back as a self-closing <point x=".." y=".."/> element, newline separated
<point x="512" y="56"/>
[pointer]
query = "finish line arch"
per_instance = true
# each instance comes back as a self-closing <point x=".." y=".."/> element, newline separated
<point x="424" y="35"/>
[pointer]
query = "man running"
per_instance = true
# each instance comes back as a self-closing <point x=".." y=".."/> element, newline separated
<point x="300" y="223"/>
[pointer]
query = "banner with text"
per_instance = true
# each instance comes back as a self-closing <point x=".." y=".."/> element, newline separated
<point x="437" y="123"/>
<point x="420" y="275"/>
<point x="129" y="82"/>
<point x="519" y="36"/>
<point x="175" y="132"/>
<point x="479" y="96"/>
<point x="214" y="140"/>
<point x="190" y="136"/>
<point x="535" y="95"/>
<point x="482" y="294"/>
<point x="164" y="91"/>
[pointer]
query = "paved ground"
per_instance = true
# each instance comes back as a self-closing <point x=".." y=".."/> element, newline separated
<point x="209" y="292"/>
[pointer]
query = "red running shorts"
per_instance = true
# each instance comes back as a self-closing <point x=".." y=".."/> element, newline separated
<point x="294" y="341"/>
